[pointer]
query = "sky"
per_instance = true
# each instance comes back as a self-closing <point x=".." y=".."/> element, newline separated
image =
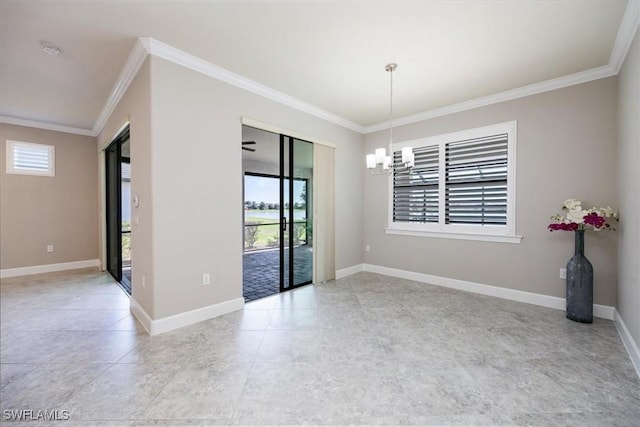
<point x="267" y="189"/>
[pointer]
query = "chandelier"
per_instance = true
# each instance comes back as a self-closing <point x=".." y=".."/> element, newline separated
<point x="379" y="163"/>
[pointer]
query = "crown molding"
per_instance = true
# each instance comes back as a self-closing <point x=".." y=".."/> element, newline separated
<point x="624" y="38"/>
<point x="47" y="126"/>
<point x="521" y="92"/>
<point x="128" y="73"/>
<point x="145" y="46"/>
<point x="187" y="60"/>
<point x="626" y="33"/>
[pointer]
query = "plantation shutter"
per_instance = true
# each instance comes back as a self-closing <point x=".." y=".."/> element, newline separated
<point x="476" y="181"/>
<point x="415" y="191"/>
<point x="30" y="159"/>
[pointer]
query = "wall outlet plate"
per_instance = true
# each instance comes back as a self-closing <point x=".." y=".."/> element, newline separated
<point x="206" y="279"/>
<point x="563" y="273"/>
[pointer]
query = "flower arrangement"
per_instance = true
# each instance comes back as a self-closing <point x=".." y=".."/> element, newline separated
<point x="577" y="218"/>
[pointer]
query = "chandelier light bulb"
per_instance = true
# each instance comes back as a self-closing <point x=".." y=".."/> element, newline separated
<point x="407" y="152"/>
<point x="371" y="161"/>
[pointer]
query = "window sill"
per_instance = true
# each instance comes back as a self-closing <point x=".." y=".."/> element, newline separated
<point x="499" y="238"/>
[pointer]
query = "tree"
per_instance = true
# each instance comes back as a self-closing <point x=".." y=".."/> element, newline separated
<point x="261" y="206"/>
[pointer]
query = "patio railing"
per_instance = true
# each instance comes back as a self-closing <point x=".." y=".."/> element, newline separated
<point x="267" y="235"/>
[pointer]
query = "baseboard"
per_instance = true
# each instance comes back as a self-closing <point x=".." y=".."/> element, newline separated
<point x="628" y="341"/>
<point x="349" y="271"/>
<point x="169" y="323"/>
<point x="48" y="268"/>
<point x="602" y="311"/>
<point x="141" y="315"/>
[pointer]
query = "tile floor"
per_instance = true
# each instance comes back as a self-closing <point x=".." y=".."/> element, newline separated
<point x="367" y="349"/>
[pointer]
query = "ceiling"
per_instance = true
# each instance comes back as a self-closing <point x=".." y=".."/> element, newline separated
<point x="329" y="54"/>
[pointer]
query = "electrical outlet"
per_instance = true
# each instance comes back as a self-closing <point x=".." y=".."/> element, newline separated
<point x="563" y="273"/>
<point x="367" y="248"/>
<point x="49" y="248"/>
<point x="206" y="279"/>
<point x="144" y="282"/>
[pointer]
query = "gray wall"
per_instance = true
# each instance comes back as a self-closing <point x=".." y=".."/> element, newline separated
<point x="190" y="156"/>
<point x="629" y="190"/>
<point x="135" y="107"/>
<point x="37" y="210"/>
<point x="566" y="147"/>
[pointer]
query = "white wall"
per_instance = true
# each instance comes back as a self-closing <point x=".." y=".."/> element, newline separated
<point x="566" y="147"/>
<point x="628" y="303"/>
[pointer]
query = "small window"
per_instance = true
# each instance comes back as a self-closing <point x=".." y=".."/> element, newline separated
<point x="461" y="186"/>
<point x="26" y="158"/>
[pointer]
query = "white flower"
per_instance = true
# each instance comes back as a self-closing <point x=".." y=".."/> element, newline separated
<point x="572" y="205"/>
<point x="608" y="212"/>
<point x="576" y="215"/>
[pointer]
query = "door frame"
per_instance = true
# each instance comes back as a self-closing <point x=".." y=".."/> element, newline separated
<point x="122" y="136"/>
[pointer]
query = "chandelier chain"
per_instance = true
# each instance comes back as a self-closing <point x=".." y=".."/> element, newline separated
<point x="391" y="68"/>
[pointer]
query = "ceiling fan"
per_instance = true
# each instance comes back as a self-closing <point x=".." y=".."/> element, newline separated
<point x="248" y="143"/>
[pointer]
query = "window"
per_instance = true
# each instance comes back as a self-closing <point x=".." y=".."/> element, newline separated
<point x="462" y="186"/>
<point x="30" y="159"/>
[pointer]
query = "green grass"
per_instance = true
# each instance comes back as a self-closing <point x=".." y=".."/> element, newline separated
<point x="266" y="235"/>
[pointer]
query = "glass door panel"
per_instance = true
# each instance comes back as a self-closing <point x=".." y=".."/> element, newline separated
<point x="285" y="212"/>
<point x="114" y="219"/>
<point x="261" y="267"/>
<point x="301" y="202"/>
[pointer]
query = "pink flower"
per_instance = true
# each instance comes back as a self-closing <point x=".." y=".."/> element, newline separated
<point x="563" y="226"/>
<point x="594" y="219"/>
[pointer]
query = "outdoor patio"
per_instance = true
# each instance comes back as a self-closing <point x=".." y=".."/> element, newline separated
<point x="261" y="271"/>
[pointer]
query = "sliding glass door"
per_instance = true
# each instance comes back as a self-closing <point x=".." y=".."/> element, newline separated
<point x="114" y="212"/>
<point x="278" y="190"/>
<point x="118" y="209"/>
<point x="296" y="245"/>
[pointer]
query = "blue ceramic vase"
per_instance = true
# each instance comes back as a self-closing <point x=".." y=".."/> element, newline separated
<point x="579" y="284"/>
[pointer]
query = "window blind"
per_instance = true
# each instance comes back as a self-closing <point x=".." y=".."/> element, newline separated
<point x="415" y="191"/>
<point x="476" y="181"/>
<point x="30" y="159"/>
